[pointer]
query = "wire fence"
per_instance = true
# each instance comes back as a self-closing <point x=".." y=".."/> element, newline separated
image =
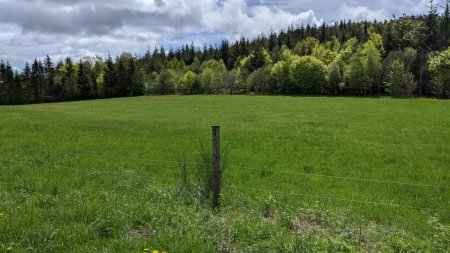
<point x="379" y="181"/>
<point x="330" y="198"/>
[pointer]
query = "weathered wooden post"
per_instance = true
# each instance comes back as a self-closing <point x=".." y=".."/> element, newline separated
<point x="216" y="173"/>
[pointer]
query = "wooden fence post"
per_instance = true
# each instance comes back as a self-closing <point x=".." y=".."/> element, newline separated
<point x="216" y="173"/>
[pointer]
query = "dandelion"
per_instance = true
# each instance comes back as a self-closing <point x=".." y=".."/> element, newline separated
<point x="156" y="251"/>
<point x="146" y="250"/>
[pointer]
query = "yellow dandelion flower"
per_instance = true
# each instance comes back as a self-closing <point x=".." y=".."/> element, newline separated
<point x="146" y="250"/>
<point x="156" y="251"/>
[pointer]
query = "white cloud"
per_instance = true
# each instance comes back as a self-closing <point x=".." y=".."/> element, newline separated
<point x="33" y="28"/>
<point x="362" y="13"/>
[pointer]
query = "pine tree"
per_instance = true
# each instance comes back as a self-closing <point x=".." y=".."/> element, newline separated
<point x="432" y="27"/>
<point x="25" y="83"/>
<point x="446" y="27"/>
<point x="334" y="76"/>
<point x="49" y="75"/>
<point x="225" y="53"/>
<point x="17" y="89"/>
<point x="9" y="84"/>
<point x="37" y="80"/>
<point x="71" y="90"/>
<point x="84" y="81"/>
<point x="110" y="78"/>
<point x="135" y="79"/>
<point x="3" y="92"/>
<point x="121" y="74"/>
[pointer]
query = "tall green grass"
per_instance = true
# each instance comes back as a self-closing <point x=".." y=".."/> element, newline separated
<point x="98" y="175"/>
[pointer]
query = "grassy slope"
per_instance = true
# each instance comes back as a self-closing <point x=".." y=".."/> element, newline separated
<point x="100" y="199"/>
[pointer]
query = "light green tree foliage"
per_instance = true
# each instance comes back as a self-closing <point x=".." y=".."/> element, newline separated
<point x="171" y="77"/>
<point x="260" y="81"/>
<point x="373" y="66"/>
<point x="188" y="83"/>
<point x="175" y="64"/>
<point x="377" y="41"/>
<point x="400" y="83"/>
<point x="439" y="67"/>
<point x="334" y="45"/>
<point x="308" y="73"/>
<point x="334" y="74"/>
<point x="206" y="79"/>
<point x="152" y="83"/>
<point x="409" y="57"/>
<point x="212" y="76"/>
<point x="324" y="54"/>
<point x="306" y="46"/>
<point x="281" y="70"/>
<point x="99" y="72"/>
<point x="229" y="80"/>
<point x="349" y="48"/>
<point x="354" y="72"/>
<point x="395" y="78"/>
<point x="166" y="82"/>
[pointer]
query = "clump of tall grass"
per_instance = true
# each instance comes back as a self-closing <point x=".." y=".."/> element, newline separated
<point x="195" y="182"/>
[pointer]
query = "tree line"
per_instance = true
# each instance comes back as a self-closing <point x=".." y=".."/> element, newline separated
<point x="403" y="57"/>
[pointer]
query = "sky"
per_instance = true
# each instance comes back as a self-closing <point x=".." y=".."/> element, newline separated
<point x="34" y="28"/>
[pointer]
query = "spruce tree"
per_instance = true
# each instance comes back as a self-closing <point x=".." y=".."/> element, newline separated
<point x="49" y="74"/>
<point x="26" y="80"/>
<point x="84" y="81"/>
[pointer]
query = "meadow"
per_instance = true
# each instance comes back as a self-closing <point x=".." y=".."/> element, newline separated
<point x="303" y="174"/>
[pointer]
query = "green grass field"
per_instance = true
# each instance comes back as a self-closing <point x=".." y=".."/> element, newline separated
<point x="304" y="174"/>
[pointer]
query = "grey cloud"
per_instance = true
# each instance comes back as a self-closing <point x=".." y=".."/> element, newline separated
<point x="33" y="28"/>
<point x="87" y="19"/>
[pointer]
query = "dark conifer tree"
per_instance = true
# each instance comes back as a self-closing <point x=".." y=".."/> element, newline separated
<point x="17" y="89"/>
<point x="37" y="80"/>
<point x="3" y="92"/>
<point x="446" y="27"/>
<point x="121" y="75"/>
<point x="109" y="78"/>
<point x="71" y="91"/>
<point x="9" y="84"/>
<point x="225" y="53"/>
<point x="134" y="79"/>
<point x="323" y="33"/>
<point x="49" y="75"/>
<point x="432" y="28"/>
<point x="84" y="81"/>
<point x="25" y="83"/>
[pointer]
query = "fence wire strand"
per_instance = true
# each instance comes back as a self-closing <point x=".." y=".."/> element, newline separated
<point x="379" y="181"/>
<point x="231" y="186"/>
<point x="332" y="198"/>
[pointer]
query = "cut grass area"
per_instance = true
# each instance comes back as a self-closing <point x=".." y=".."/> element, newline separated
<point x="94" y="175"/>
